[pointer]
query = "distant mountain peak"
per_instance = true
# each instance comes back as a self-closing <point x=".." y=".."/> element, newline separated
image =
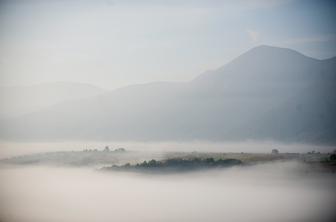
<point x="263" y="62"/>
<point x="274" y="51"/>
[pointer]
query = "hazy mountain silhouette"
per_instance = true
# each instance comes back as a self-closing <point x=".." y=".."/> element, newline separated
<point x="266" y="93"/>
<point x="18" y="100"/>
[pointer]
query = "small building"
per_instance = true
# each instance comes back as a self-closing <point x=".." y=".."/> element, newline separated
<point x="275" y="151"/>
<point x="120" y="150"/>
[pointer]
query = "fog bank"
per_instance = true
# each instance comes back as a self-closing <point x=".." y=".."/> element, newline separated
<point x="283" y="191"/>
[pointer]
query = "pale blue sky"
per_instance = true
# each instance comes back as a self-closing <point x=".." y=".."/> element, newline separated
<point x="115" y="43"/>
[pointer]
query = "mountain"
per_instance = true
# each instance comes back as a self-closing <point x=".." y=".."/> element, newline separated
<point x="19" y="100"/>
<point x="268" y="93"/>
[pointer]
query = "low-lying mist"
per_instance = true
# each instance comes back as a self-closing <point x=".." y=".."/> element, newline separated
<point x="280" y="191"/>
<point x="10" y="149"/>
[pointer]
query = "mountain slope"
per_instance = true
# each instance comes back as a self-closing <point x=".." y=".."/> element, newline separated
<point x="266" y="93"/>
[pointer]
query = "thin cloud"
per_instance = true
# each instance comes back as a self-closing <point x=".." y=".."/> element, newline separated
<point x="253" y="35"/>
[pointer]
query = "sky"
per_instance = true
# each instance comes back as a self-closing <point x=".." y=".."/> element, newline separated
<point x="114" y="43"/>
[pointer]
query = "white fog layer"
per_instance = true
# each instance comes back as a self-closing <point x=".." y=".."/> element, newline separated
<point x="283" y="191"/>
